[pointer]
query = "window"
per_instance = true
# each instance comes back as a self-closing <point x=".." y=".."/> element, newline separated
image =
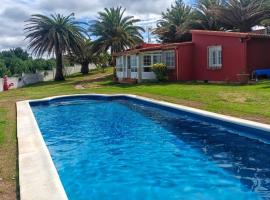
<point x="119" y="64"/>
<point x="147" y="69"/>
<point x="214" y="57"/>
<point x="157" y="58"/>
<point x="133" y="63"/>
<point x="169" y="59"/>
<point x="147" y="60"/>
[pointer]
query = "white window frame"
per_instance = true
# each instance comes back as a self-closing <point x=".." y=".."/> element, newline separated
<point x="172" y="62"/>
<point x="120" y="64"/>
<point x="214" y="56"/>
<point x="133" y="63"/>
<point x="156" y="54"/>
<point x="149" y="55"/>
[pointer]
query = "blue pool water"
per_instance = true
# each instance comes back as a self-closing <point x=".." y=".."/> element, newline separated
<point x="119" y="149"/>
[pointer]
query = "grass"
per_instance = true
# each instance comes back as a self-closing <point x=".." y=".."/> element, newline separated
<point x="3" y="123"/>
<point x="249" y="102"/>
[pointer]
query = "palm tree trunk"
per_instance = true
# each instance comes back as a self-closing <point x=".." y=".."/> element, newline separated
<point x="59" y="67"/>
<point x="85" y="68"/>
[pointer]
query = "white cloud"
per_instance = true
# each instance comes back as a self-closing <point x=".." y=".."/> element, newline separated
<point x="13" y="13"/>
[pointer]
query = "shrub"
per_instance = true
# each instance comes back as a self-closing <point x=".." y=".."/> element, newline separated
<point x="160" y="71"/>
<point x="3" y="69"/>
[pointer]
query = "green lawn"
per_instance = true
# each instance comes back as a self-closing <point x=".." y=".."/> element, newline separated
<point x="250" y="102"/>
<point x="3" y="122"/>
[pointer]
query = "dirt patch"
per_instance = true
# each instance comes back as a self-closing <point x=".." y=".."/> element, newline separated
<point x="93" y="79"/>
<point x="92" y="85"/>
<point x="79" y="87"/>
<point x="235" y="97"/>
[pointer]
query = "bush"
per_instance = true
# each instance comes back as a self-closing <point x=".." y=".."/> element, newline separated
<point x="160" y="71"/>
<point x="17" y="61"/>
<point x="3" y="70"/>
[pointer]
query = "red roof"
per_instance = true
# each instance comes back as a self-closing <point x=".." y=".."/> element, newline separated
<point x="230" y="34"/>
<point x="152" y="47"/>
<point x="146" y="45"/>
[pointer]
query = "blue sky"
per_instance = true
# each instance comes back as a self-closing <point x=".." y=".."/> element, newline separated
<point x="13" y="14"/>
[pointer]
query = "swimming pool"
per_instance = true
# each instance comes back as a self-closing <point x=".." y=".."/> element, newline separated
<point x="124" y="148"/>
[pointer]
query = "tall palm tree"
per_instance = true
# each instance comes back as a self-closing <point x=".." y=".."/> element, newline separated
<point x="84" y="56"/>
<point x="242" y="15"/>
<point x="204" y="17"/>
<point x="115" y="31"/>
<point x="57" y="34"/>
<point x="174" y="25"/>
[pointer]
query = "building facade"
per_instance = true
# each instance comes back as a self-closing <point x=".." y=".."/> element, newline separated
<point x="211" y="56"/>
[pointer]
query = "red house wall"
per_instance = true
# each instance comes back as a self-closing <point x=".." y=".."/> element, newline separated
<point x="233" y="57"/>
<point x="183" y="62"/>
<point x="258" y="54"/>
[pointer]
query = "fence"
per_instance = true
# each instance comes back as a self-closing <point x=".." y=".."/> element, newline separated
<point x="40" y="76"/>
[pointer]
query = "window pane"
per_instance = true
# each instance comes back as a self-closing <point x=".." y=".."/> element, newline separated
<point x="147" y="60"/>
<point x="156" y="58"/>
<point x="133" y="61"/>
<point x="147" y="69"/>
<point x="119" y="61"/>
<point x="219" y="58"/>
<point x="215" y="57"/>
<point x="170" y="59"/>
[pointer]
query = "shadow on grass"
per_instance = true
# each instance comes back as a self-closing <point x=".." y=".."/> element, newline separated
<point x="50" y="83"/>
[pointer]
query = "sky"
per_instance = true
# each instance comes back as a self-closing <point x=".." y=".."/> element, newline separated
<point x="13" y="14"/>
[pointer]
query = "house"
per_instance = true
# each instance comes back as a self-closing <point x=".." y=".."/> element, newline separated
<point x="213" y="56"/>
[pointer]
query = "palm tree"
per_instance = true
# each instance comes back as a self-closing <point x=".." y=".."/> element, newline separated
<point x="84" y="56"/>
<point x="204" y="17"/>
<point x="242" y="15"/>
<point x="57" y="34"/>
<point x="175" y="22"/>
<point x="114" y="31"/>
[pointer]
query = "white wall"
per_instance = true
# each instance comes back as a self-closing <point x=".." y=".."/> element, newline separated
<point x="1" y="84"/>
<point x="120" y="75"/>
<point x="40" y="76"/>
<point x="134" y="75"/>
<point x="148" y="76"/>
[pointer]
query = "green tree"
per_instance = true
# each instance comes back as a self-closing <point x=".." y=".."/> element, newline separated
<point x="3" y="69"/>
<point x="204" y="17"/>
<point x="175" y="23"/>
<point x="84" y="56"/>
<point x="102" y="60"/>
<point x="242" y="15"/>
<point x="20" y="53"/>
<point x="114" y="31"/>
<point x="17" y="66"/>
<point x="57" y="34"/>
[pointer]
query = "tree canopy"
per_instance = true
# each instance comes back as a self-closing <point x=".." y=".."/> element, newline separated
<point x="242" y="15"/>
<point x="17" y="61"/>
<point x="218" y="15"/>
<point x="115" y="31"/>
<point x="55" y="34"/>
<point x="175" y="23"/>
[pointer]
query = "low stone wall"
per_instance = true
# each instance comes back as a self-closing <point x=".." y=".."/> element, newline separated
<point x="40" y="76"/>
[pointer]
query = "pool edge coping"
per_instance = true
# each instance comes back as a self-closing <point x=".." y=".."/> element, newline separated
<point x="38" y="177"/>
<point x="48" y="184"/>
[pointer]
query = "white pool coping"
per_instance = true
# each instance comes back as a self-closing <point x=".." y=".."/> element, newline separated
<point x="38" y="177"/>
